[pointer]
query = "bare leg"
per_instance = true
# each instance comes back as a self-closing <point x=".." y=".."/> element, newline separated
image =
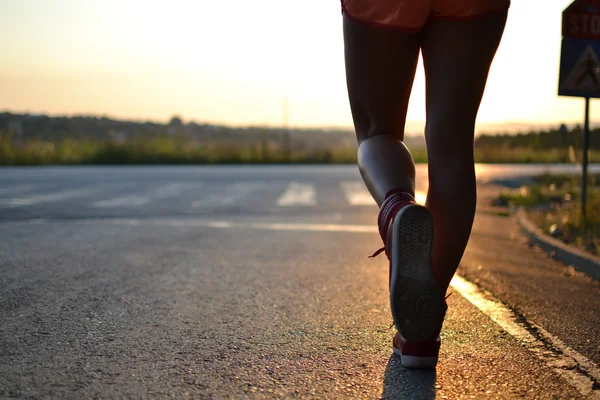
<point x="457" y="57"/>
<point x="380" y="69"/>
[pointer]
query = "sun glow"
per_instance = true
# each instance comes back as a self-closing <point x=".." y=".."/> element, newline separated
<point x="234" y="62"/>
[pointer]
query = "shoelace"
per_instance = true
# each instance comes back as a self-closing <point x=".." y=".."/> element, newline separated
<point x="387" y="212"/>
<point x="378" y="252"/>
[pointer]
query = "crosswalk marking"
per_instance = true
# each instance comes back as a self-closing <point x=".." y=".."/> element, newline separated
<point x="46" y="197"/>
<point x="241" y="189"/>
<point x="125" y="201"/>
<point x="298" y="194"/>
<point x="230" y="195"/>
<point x="357" y="194"/>
<point x="162" y="192"/>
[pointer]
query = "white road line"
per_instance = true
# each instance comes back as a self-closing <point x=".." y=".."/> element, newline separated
<point x="577" y="370"/>
<point x="46" y="197"/>
<point x="239" y="190"/>
<point x="191" y="222"/>
<point x="125" y="201"/>
<point x="173" y="189"/>
<point x="231" y="194"/>
<point x="298" y="194"/>
<point x="357" y="194"/>
<point x="170" y="190"/>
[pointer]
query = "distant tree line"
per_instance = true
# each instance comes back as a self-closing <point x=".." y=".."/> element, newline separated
<point x="27" y="139"/>
<point x="545" y="139"/>
<point x="55" y="129"/>
<point x="26" y="127"/>
<point x="47" y="128"/>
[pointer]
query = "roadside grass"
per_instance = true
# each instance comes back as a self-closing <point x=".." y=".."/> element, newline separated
<point x="526" y="155"/>
<point x="553" y="203"/>
<point x="159" y="150"/>
<point x="173" y="149"/>
<point x="168" y="150"/>
<point x="517" y="155"/>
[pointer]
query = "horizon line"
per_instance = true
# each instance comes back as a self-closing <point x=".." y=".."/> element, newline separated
<point x="509" y="127"/>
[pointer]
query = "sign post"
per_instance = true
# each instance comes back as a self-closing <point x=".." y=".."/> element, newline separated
<point x="580" y="67"/>
<point x="584" y="159"/>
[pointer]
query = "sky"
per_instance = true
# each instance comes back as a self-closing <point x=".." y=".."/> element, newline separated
<point x="234" y="62"/>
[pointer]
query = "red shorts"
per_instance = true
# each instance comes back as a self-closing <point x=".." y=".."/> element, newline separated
<point x="411" y="15"/>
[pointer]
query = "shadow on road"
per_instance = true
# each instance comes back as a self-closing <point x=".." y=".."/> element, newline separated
<point x="402" y="383"/>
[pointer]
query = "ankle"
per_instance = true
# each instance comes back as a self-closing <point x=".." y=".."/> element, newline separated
<point x="395" y="200"/>
<point x="401" y="194"/>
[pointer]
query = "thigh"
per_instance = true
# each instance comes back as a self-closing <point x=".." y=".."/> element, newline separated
<point x="457" y="56"/>
<point x="380" y="69"/>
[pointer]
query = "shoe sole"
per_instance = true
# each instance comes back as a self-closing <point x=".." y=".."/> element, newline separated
<point x="415" y="299"/>
<point x="415" y="362"/>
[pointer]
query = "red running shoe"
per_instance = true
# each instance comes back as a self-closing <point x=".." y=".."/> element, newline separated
<point x="419" y="355"/>
<point x="417" y="306"/>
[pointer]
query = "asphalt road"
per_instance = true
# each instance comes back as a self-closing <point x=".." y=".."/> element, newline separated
<point x="254" y="282"/>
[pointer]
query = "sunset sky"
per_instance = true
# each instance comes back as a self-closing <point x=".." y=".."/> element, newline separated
<point x="234" y="62"/>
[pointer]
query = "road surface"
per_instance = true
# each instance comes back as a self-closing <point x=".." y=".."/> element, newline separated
<point x="254" y="282"/>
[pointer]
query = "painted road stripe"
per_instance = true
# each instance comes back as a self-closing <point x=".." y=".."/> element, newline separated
<point x="357" y="194"/>
<point x="125" y="201"/>
<point x="231" y="195"/>
<point x="200" y="223"/>
<point x="578" y="371"/>
<point x="239" y="190"/>
<point x="298" y="194"/>
<point x="46" y="197"/>
<point x="162" y="192"/>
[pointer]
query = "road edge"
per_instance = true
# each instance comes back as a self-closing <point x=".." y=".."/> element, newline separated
<point x="579" y="372"/>
<point x="579" y="259"/>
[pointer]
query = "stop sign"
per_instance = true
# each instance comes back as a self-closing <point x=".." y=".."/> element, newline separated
<point x="580" y="67"/>
<point x="581" y="20"/>
<point x="580" y="53"/>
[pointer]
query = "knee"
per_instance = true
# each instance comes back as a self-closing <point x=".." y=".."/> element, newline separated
<point x="453" y="119"/>
<point x="450" y="144"/>
<point x="367" y="126"/>
<point x="450" y="155"/>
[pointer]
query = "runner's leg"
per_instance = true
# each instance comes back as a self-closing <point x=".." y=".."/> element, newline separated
<point x="457" y="58"/>
<point x="380" y="69"/>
